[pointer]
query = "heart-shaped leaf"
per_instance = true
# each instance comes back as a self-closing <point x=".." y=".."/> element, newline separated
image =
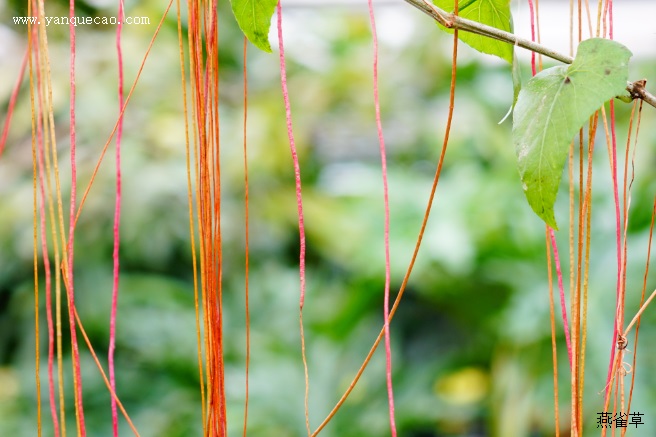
<point x="553" y="106"/>
<point x="254" y="19"/>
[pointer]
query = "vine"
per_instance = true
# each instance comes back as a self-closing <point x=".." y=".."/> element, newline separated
<point x="548" y="112"/>
<point x="598" y="73"/>
<point x="554" y="114"/>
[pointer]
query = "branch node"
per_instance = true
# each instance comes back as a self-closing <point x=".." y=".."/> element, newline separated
<point x="638" y="89"/>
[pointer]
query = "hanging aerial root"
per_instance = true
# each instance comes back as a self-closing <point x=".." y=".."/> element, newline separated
<point x="420" y="237"/>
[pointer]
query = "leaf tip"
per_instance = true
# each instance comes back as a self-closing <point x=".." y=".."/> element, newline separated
<point x="265" y="47"/>
<point x="547" y="215"/>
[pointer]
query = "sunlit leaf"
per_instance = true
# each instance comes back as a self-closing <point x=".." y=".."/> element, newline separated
<point x="495" y="13"/>
<point x="551" y="109"/>
<point x="254" y="18"/>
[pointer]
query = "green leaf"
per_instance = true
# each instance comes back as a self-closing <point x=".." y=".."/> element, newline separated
<point x="553" y="106"/>
<point x="254" y="19"/>
<point x="495" y="13"/>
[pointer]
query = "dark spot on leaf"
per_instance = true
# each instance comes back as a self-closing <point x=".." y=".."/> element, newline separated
<point x="567" y="80"/>
<point x="607" y="71"/>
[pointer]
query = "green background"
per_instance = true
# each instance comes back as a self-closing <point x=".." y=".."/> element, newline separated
<point x="471" y="340"/>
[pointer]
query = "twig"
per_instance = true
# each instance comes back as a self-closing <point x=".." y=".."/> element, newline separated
<point x="637" y="316"/>
<point x="636" y="89"/>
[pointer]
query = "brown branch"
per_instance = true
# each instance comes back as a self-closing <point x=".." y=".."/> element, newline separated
<point x="635" y="89"/>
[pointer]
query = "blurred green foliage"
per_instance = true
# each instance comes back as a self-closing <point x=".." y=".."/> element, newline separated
<point x="471" y="339"/>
